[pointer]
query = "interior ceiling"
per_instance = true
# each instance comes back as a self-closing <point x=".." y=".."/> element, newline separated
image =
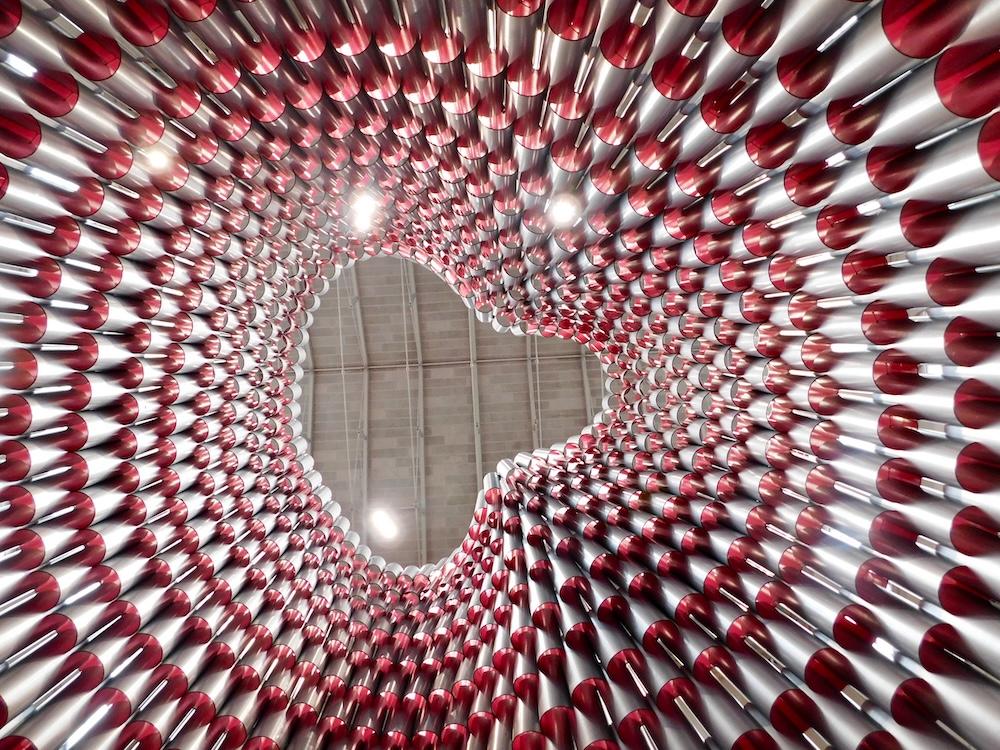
<point x="781" y="528"/>
<point x="394" y="328"/>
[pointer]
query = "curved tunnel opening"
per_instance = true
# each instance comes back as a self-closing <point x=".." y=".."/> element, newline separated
<point x="408" y="400"/>
<point x="744" y="548"/>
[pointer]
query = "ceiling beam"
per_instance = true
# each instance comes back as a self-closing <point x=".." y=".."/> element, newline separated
<point x="352" y="278"/>
<point x="455" y="363"/>
<point x="476" y="421"/>
<point x="411" y="293"/>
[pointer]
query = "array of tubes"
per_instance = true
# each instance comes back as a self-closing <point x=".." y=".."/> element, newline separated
<point x="783" y="528"/>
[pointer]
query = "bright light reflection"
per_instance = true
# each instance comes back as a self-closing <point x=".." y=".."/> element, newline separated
<point x="383" y="525"/>
<point x="157" y="159"/>
<point x="20" y="65"/>
<point x="53" y="179"/>
<point x="363" y="211"/>
<point x="564" y="210"/>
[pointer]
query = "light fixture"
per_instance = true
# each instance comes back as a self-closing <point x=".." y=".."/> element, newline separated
<point x="363" y="211"/>
<point x="382" y="524"/>
<point x="564" y="210"/>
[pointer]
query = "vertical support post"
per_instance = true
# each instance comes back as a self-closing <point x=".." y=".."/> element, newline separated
<point x="363" y="437"/>
<point x="411" y="290"/>
<point x="536" y="437"/>
<point x="355" y="305"/>
<point x="311" y="391"/>
<point x="538" y="392"/>
<point x="474" y="367"/>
